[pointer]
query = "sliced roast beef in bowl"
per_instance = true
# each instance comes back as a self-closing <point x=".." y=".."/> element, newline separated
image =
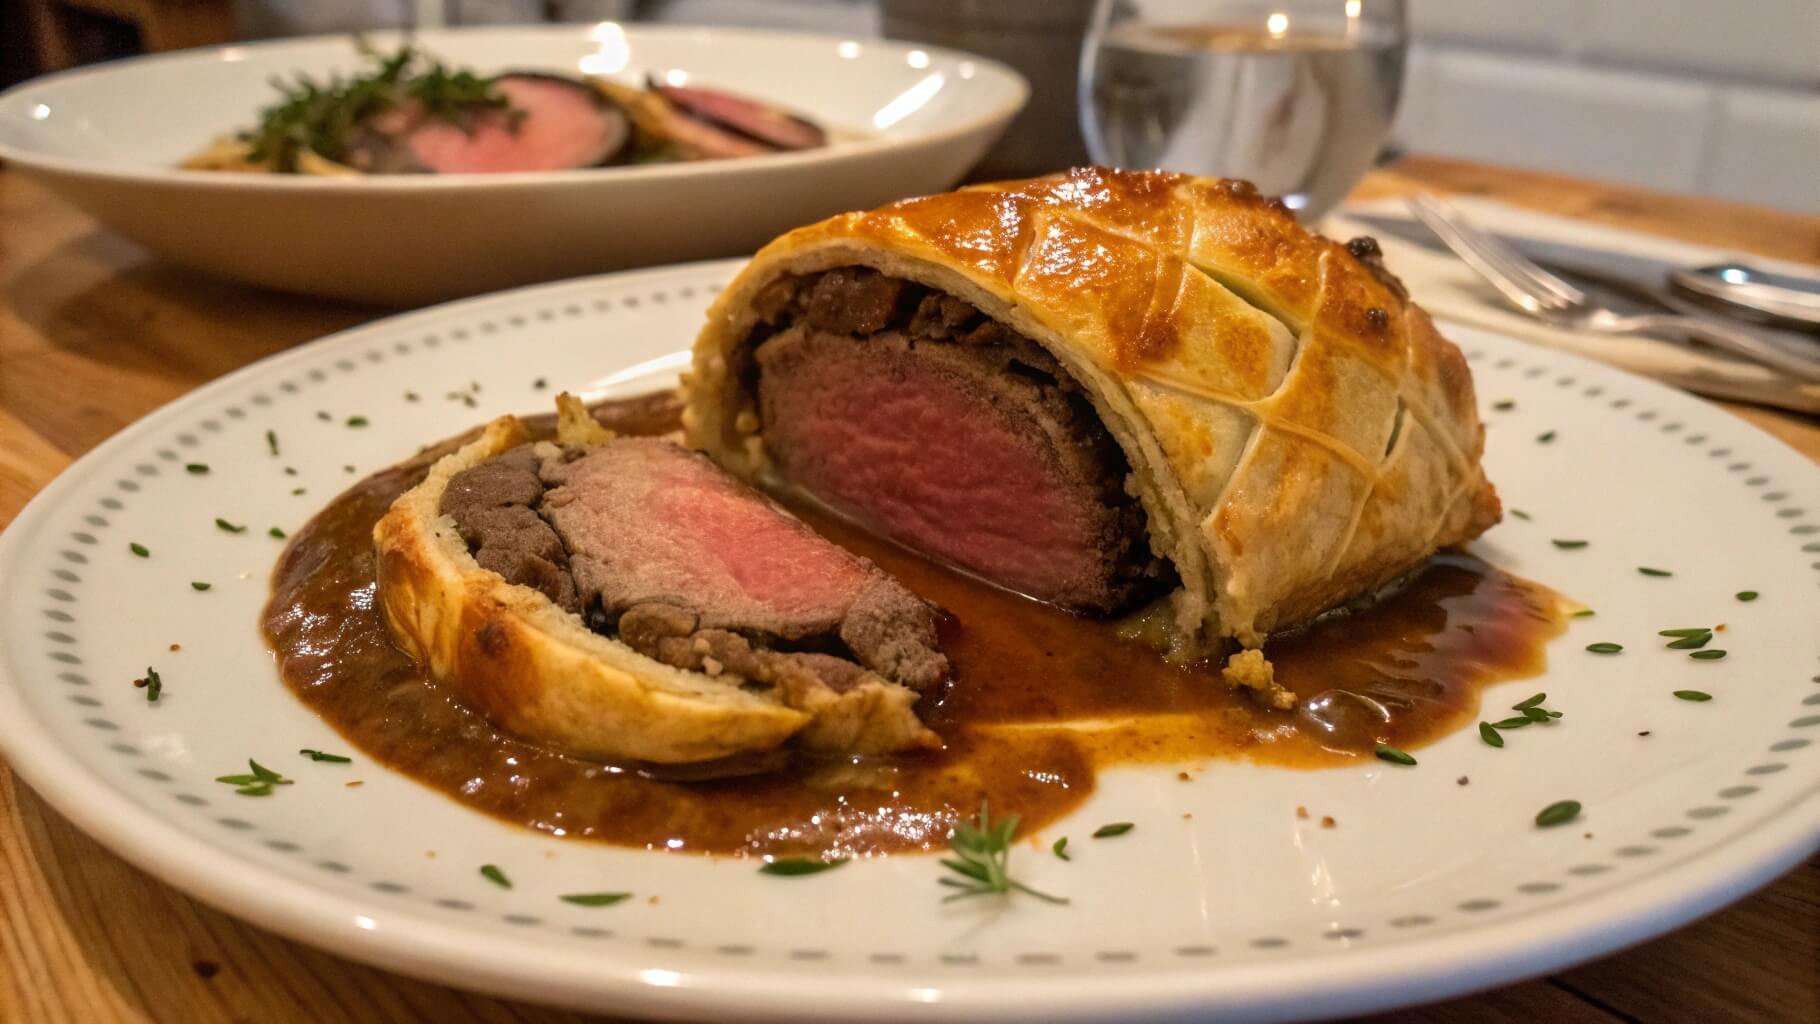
<point x="549" y="123"/>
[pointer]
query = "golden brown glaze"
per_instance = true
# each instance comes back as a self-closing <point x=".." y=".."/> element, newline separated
<point x="1298" y="431"/>
<point x="1042" y="700"/>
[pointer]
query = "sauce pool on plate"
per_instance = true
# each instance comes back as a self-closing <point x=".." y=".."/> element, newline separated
<point x="1041" y="699"/>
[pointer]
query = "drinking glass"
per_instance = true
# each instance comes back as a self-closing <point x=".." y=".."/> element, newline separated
<point x="1295" y="96"/>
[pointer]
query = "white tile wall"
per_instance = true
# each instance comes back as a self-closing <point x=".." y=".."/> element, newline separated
<point x="1765" y="149"/>
<point x="1759" y="40"/>
<point x="1550" y="26"/>
<point x="1714" y="96"/>
<point x="1543" y="113"/>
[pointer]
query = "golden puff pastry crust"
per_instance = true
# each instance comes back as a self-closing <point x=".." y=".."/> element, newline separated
<point x="1299" y="433"/>
<point x="536" y="670"/>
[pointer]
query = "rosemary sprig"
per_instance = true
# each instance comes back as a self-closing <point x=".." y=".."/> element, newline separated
<point x="982" y="859"/>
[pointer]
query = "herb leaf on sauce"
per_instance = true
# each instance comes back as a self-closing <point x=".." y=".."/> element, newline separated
<point x="1386" y="752"/>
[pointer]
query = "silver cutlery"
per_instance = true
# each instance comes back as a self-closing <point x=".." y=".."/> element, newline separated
<point x="1738" y="289"/>
<point x="1546" y="297"/>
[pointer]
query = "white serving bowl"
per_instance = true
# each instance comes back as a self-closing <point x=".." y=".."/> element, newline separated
<point x="906" y="120"/>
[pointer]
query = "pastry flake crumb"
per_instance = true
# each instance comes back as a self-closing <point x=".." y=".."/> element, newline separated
<point x="1251" y="670"/>
<point x="1302" y="812"/>
<point x="1184" y="776"/>
<point x="1327" y="821"/>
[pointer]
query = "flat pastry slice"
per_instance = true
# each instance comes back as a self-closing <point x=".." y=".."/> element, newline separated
<point x="1099" y="388"/>
<point x="625" y="599"/>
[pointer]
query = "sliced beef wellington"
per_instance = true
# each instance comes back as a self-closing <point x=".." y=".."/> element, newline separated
<point x="1092" y="386"/>
<point x="626" y="599"/>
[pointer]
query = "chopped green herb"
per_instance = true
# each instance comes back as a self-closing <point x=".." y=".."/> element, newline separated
<point x="271" y="441"/>
<point x="1537" y="715"/>
<point x="1545" y="437"/>
<point x="491" y="873"/>
<point x="1585" y="613"/>
<point x="1504" y="406"/>
<point x="1060" y="849"/>
<point x="154" y="685"/>
<point x="410" y="396"/>
<point x="1569" y="545"/>
<point x="1513" y="723"/>
<point x="1530" y="703"/>
<point x="275" y="533"/>
<point x="790" y="867"/>
<point x="539" y="384"/>
<point x="357" y="421"/>
<point x="139" y="549"/>
<point x="983" y="860"/>
<point x="296" y="491"/>
<point x="1708" y="655"/>
<point x="229" y="527"/>
<point x="290" y="471"/>
<point x="259" y="783"/>
<point x="1558" y="813"/>
<point x="595" y="899"/>
<point x="198" y="468"/>
<point x="1747" y="595"/>
<point x="199" y="585"/>
<point x="323" y="415"/>
<point x="1489" y="733"/>
<point x="1605" y="648"/>
<point x="1520" y="514"/>
<point x="1696" y="696"/>
<point x="1386" y="752"/>
<point x="1647" y="571"/>
<point x="1684" y="631"/>
<point x="1117" y="828"/>
<point x="317" y="755"/>
<point x="1688" y="643"/>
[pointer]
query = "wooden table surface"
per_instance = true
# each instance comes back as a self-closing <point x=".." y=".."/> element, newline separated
<point x="94" y="333"/>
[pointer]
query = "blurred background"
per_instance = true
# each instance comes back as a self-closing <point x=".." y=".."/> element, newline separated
<point x="1713" y="97"/>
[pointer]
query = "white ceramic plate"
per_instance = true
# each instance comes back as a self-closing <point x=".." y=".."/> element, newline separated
<point x="913" y="120"/>
<point x="1426" y="888"/>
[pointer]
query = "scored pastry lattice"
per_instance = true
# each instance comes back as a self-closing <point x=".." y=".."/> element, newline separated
<point x="1322" y="435"/>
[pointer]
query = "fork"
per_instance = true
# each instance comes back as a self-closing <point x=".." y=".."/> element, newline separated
<point x="1546" y="297"/>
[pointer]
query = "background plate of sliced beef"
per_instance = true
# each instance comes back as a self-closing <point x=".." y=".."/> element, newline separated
<point x="703" y="142"/>
<point x="1675" y="779"/>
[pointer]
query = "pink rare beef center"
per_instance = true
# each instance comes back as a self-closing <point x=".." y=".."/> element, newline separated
<point x="929" y="447"/>
<point x="554" y="125"/>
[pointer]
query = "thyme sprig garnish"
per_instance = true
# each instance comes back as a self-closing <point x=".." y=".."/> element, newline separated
<point x="153" y="683"/>
<point x="323" y="116"/>
<point x="139" y="549"/>
<point x="271" y="441"/>
<point x="1529" y="712"/>
<point x="491" y="873"/>
<point x="1696" y="696"/>
<point x="1746" y="595"/>
<point x="982" y="859"/>
<point x="1647" y="571"/>
<point x="227" y="527"/>
<point x="1060" y="849"/>
<point x="258" y="783"/>
<point x="317" y="755"/>
<point x="1605" y="647"/>
<point x="1570" y="545"/>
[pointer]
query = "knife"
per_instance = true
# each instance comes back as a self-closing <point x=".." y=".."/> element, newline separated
<point x="1622" y="282"/>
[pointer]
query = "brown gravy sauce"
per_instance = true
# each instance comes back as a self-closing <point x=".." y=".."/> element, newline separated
<point x="1041" y="700"/>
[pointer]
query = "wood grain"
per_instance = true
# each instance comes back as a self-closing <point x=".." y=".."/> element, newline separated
<point x="94" y="334"/>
